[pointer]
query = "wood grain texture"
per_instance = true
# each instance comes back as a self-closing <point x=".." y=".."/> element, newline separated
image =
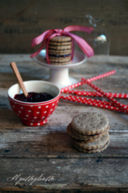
<point x="47" y="150"/>
<point x="26" y="19"/>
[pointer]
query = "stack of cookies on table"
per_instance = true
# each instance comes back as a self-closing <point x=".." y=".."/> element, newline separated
<point x="89" y="132"/>
<point x="60" y="50"/>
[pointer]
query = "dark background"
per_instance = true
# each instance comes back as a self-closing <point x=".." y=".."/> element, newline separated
<point x="20" y="21"/>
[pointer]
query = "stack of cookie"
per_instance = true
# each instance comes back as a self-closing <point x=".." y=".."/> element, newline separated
<point x="60" y="50"/>
<point x="90" y="132"/>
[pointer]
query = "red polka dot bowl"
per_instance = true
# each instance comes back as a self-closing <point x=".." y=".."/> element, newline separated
<point x="36" y="113"/>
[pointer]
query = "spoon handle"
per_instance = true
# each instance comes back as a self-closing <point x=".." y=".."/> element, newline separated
<point x="19" y="78"/>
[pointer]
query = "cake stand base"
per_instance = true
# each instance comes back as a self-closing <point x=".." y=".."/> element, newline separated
<point x="59" y="74"/>
<point x="60" y="77"/>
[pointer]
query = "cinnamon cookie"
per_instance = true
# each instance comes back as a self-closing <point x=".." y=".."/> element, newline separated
<point x="92" y="150"/>
<point x="60" y="50"/>
<point x="89" y="132"/>
<point x="90" y="123"/>
<point x="86" y="138"/>
<point x="98" y="143"/>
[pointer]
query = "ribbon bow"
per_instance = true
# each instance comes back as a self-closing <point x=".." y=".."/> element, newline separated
<point x="45" y="37"/>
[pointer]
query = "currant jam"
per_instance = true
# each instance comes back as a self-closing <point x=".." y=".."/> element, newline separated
<point x="34" y="97"/>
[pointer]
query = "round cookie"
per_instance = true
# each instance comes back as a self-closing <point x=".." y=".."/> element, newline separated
<point x="60" y="47"/>
<point x="59" y="60"/>
<point x="93" y="150"/>
<point x="89" y="123"/>
<point x="60" y="40"/>
<point x="60" y="50"/>
<point x="85" y="138"/>
<point x="98" y="143"/>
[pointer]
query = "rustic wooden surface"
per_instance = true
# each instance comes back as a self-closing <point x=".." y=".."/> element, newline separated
<point x="20" y="21"/>
<point x="34" y="151"/>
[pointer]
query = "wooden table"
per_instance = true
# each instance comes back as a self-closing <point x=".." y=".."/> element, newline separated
<point x="41" y="159"/>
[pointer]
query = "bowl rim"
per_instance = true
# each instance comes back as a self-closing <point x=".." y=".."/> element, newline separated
<point x="35" y="103"/>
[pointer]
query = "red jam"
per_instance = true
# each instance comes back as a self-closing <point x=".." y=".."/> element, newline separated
<point x="34" y="97"/>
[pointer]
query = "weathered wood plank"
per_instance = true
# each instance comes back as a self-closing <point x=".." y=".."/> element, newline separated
<point x="94" y="66"/>
<point x="52" y="139"/>
<point x="68" y="174"/>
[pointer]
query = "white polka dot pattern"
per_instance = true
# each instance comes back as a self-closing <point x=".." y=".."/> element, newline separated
<point x="90" y="80"/>
<point x="92" y="102"/>
<point x="112" y="105"/>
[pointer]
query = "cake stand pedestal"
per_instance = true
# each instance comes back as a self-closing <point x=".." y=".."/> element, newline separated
<point x="59" y="74"/>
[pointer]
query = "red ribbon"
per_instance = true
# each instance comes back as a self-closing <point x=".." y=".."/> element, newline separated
<point x="45" y="37"/>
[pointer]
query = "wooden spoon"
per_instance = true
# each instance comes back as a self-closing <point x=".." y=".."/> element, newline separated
<point x="19" y="78"/>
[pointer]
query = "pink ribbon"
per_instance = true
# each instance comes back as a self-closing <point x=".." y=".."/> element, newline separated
<point x="45" y="37"/>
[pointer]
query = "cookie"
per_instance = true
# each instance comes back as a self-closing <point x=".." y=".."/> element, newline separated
<point x="86" y="138"/>
<point x="98" y="143"/>
<point x="60" y="50"/>
<point x="89" y="123"/>
<point x="60" y="40"/>
<point x="93" y="150"/>
<point x="59" y="53"/>
<point x="59" y="60"/>
<point x="60" y="47"/>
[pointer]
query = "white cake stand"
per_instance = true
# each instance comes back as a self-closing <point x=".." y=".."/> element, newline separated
<point x="59" y="74"/>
